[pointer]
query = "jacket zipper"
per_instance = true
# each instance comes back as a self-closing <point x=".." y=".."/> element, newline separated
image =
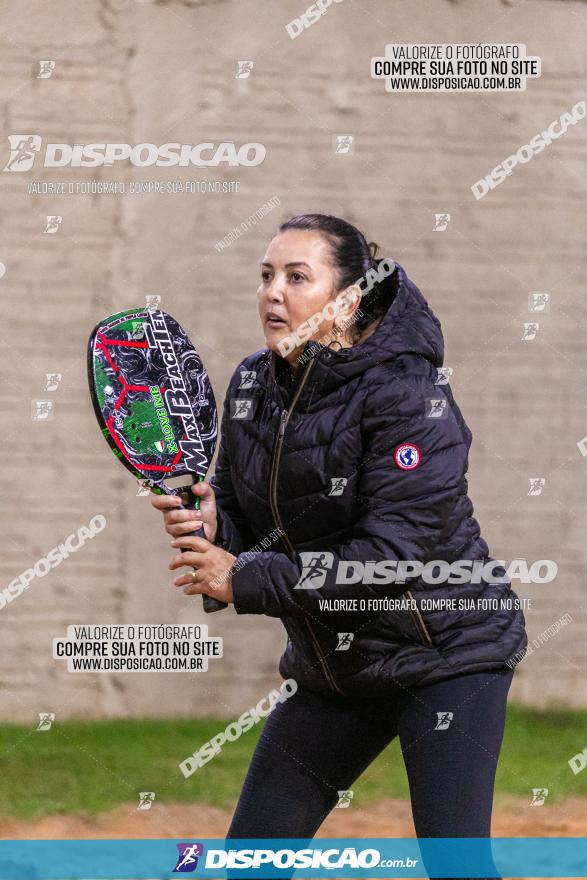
<point x="419" y="620"/>
<point x="285" y="416"/>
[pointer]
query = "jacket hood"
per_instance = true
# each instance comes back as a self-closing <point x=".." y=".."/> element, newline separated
<point x="408" y="326"/>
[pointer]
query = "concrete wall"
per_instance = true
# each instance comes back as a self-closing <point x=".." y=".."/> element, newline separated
<point x="158" y="72"/>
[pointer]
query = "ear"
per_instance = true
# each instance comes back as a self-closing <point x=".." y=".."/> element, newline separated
<point x="348" y="301"/>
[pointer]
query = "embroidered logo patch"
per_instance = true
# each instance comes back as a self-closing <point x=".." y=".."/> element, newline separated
<point x="407" y="456"/>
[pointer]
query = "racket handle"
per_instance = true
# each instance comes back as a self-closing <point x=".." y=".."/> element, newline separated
<point x="210" y="604"/>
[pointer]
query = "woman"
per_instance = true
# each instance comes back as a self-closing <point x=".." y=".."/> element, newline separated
<point x="351" y="452"/>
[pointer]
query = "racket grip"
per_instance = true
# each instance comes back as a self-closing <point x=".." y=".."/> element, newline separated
<point x="210" y="604"/>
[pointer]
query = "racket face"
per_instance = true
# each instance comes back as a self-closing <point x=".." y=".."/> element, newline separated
<point x="152" y="396"/>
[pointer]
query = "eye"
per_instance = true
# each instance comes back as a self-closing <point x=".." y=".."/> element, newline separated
<point x="297" y="277"/>
<point x="265" y="275"/>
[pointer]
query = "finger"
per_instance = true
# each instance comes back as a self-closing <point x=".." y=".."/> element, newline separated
<point x="176" y="517"/>
<point x="187" y="528"/>
<point x="189" y="579"/>
<point x="190" y="542"/>
<point x="165" y="502"/>
<point x="189" y="559"/>
<point x="172" y="517"/>
<point x="204" y="491"/>
<point x="193" y="589"/>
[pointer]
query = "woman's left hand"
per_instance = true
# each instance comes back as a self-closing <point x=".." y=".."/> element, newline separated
<point x="213" y="566"/>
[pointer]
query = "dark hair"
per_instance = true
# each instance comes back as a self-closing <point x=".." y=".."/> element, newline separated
<point x="352" y="257"/>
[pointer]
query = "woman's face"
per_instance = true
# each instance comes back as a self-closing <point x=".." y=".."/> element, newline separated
<point x="297" y="281"/>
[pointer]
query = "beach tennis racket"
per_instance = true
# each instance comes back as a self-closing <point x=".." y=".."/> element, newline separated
<point x="154" y="403"/>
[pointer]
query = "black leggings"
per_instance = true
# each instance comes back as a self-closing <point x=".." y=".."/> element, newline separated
<point x="314" y="746"/>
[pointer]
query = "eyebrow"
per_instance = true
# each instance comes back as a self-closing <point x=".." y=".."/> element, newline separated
<point x="289" y="265"/>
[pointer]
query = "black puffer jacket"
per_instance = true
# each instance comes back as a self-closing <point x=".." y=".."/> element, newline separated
<point x="347" y="416"/>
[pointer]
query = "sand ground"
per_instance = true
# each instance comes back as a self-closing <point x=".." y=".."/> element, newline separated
<point x="512" y="817"/>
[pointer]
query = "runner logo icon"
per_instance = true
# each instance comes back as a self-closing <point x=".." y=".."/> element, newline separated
<point x="23" y="151"/>
<point x="314" y="568"/>
<point x="187" y="860"/>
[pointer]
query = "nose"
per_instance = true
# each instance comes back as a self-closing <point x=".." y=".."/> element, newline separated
<point x="275" y="290"/>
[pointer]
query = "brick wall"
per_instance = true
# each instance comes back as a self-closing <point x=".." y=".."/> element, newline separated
<point x="157" y="72"/>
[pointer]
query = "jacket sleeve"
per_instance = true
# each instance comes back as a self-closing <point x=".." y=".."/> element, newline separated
<point x="233" y="533"/>
<point x="401" y="512"/>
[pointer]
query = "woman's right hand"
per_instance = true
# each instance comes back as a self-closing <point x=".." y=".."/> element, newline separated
<point x="179" y="522"/>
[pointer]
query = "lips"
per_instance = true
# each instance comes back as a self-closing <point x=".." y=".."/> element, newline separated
<point x="274" y="320"/>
